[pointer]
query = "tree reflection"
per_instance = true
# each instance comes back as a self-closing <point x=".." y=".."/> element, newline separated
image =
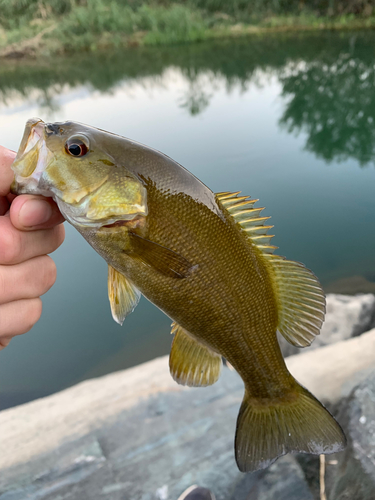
<point x="334" y="104"/>
<point x="327" y="81"/>
<point x="197" y="97"/>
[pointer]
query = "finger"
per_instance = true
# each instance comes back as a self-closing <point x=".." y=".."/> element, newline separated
<point x="10" y="197"/>
<point x="30" y="212"/>
<point x="4" y="342"/>
<point x="4" y="205"/>
<point x="27" y="280"/>
<point x="19" y="246"/>
<point x="6" y="174"/>
<point x="18" y="317"/>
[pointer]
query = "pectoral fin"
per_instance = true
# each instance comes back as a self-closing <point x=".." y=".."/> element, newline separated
<point x="160" y="258"/>
<point x="123" y="296"/>
<point x="190" y="362"/>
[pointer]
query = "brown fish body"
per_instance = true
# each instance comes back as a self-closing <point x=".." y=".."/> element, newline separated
<point x="226" y="293"/>
<point x="200" y="258"/>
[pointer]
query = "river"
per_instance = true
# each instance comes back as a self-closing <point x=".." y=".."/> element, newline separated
<point x="288" y="119"/>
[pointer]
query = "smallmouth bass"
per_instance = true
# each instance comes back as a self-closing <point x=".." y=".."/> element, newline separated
<point x="202" y="258"/>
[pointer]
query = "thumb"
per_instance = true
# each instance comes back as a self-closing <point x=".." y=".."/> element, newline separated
<point x="6" y="174"/>
<point x="30" y="212"/>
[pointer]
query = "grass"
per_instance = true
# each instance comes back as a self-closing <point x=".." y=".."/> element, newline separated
<point x="114" y="24"/>
<point x="44" y="28"/>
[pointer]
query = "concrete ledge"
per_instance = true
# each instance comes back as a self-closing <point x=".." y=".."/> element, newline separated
<point x="136" y="434"/>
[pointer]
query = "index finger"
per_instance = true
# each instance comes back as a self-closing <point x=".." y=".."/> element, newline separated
<point x="6" y="174"/>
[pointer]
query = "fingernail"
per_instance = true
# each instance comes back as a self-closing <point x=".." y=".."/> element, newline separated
<point x="34" y="213"/>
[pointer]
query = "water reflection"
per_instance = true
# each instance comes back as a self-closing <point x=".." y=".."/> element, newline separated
<point x="223" y="110"/>
<point x="333" y="101"/>
<point x="196" y="99"/>
<point x="327" y="81"/>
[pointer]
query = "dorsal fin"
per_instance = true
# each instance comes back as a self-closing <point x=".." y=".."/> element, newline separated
<point x="241" y="208"/>
<point x="299" y="295"/>
<point x="301" y="301"/>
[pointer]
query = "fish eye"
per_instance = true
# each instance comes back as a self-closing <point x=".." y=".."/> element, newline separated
<point x="77" y="146"/>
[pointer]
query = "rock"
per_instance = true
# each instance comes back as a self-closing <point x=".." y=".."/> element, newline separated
<point x="284" y="480"/>
<point x="331" y="372"/>
<point x="156" y="438"/>
<point x="355" y="477"/>
<point x="64" y="472"/>
<point x="346" y="317"/>
<point x="351" y="285"/>
<point x="136" y="434"/>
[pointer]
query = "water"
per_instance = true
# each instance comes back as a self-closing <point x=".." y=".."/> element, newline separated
<point x="286" y="119"/>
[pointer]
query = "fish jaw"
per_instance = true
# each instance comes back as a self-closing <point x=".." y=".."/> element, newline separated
<point x="86" y="213"/>
<point x="31" y="161"/>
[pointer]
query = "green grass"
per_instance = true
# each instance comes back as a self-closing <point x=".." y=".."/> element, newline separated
<point x="109" y="23"/>
<point x="46" y="27"/>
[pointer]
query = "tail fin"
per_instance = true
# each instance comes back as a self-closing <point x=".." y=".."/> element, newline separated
<point x="299" y="423"/>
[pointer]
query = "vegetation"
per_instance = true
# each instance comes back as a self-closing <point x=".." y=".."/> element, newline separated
<point x="45" y="27"/>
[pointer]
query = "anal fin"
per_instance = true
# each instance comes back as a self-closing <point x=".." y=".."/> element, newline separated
<point x="122" y="294"/>
<point x="192" y="363"/>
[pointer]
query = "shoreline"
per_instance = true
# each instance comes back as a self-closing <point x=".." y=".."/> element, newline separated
<point x="45" y="44"/>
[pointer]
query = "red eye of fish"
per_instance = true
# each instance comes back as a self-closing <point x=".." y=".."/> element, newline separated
<point x="76" y="147"/>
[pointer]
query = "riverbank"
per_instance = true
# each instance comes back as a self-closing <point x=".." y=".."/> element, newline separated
<point x="46" y="30"/>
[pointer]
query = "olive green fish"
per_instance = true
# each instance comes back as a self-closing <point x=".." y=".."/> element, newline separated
<point x="202" y="258"/>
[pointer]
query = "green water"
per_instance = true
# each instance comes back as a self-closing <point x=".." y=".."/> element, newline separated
<point x="287" y="119"/>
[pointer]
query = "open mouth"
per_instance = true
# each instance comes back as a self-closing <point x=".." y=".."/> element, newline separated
<point x="33" y="133"/>
<point x="31" y="158"/>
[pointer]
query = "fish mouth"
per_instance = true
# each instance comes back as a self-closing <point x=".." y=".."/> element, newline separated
<point x="34" y="131"/>
<point x="31" y="159"/>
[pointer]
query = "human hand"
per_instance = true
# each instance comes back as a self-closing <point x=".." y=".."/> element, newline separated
<point x="30" y="228"/>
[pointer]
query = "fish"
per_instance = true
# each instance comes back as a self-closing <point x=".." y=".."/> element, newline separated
<point x="206" y="260"/>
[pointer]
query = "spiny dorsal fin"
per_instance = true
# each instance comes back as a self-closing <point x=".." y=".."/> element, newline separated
<point x="299" y="295"/>
<point x="241" y="208"/>
<point x="192" y="363"/>
<point x="123" y="296"/>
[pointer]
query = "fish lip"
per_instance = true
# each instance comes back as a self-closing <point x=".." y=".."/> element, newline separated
<point x="37" y="127"/>
<point x="36" y="134"/>
<point x="27" y="181"/>
<point x="34" y="129"/>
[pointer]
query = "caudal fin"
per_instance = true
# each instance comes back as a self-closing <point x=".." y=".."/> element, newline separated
<point x="299" y="423"/>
